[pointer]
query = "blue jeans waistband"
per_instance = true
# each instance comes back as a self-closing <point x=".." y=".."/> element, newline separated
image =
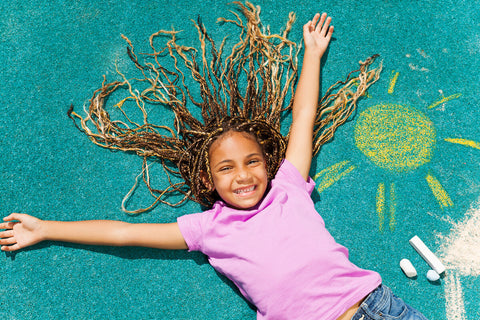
<point x="382" y="304"/>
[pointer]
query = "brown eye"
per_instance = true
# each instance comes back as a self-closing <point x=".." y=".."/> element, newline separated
<point x="253" y="161"/>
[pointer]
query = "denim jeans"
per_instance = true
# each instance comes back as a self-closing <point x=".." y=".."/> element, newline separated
<point x="382" y="304"/>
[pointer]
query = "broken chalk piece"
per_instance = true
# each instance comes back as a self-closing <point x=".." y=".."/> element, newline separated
<point x="432" y="275"/>
<point x="427" y="255"/>
<point x="408" y="268"/>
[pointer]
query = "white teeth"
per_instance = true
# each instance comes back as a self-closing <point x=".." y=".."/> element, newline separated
<point x="245" y="190"/>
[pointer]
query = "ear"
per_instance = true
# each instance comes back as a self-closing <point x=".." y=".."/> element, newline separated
<point x="206" y="181"/>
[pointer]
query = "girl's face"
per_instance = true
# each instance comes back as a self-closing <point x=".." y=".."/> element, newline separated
<point x="238" y="169"/>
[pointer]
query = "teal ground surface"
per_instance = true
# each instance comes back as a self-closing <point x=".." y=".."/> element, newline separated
<point x="54" y="53"/>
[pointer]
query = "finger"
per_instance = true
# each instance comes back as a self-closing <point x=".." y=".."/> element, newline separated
<point x="7" y="225"/>
<point x="10" y="248"/>
<point x="6" y="234"/>
<point x="315" y="20"/>
<point x="325" y="27"/>
<point x="8" y="241"/>
<point x="330" y="32"/>
<point x="319" y="27"/>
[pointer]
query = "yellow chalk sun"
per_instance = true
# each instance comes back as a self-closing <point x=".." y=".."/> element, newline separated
<point x="399" y="139"/>
<point x="395" y="137"/>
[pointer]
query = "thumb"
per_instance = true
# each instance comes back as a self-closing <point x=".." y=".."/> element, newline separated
<point x="306" y="27"/>
<point x="13" y="216"/>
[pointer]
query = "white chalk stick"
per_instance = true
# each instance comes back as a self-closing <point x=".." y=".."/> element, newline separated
<point x="427" y="255"/>
<point x="408" y="268"/>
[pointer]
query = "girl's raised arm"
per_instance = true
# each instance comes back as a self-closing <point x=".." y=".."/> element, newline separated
<point x="22" y="230"/>
<point x="316" y="34"/>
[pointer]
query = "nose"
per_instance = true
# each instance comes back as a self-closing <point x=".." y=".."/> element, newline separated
<point x="243" y="174"/>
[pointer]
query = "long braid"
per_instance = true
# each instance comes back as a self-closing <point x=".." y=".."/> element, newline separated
<point x="267" y="61"/>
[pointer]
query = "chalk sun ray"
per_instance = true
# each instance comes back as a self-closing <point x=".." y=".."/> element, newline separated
<point x="445" y="99"/>
<point x="393" y="81"/>
<point x="464" y="142"/>
<point x="332" y="174"/>
<point x="381" y="207"/>
<point x="439" y="191"/>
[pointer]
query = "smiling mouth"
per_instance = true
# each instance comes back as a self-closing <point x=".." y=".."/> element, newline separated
<point x="246" y="190"/>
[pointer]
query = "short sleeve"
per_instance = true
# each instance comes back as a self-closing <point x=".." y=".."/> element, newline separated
<point x="191" y="228"/>
<point x="288" y="173"/>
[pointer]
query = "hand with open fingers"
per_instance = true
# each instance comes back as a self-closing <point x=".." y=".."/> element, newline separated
<point x="19" y="231"/>
<point x="317" y="34"/>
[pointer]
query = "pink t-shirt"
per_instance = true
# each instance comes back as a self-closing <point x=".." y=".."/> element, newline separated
<point x="279" y="253"/>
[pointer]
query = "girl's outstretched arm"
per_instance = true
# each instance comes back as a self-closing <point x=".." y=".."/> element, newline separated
<point x="22" y="230"/>
<point x="316" y="34"/>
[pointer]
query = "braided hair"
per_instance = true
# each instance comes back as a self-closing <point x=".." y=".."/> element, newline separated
<point x="250" y="90"/>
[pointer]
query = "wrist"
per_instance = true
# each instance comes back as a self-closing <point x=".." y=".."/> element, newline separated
<point x="313" y="55"/>
<point x="44" y="232"/>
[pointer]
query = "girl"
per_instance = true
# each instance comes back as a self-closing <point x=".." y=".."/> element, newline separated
<point x="281" y="257"/>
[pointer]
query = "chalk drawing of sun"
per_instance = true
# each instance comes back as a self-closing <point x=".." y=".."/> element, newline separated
<point x="399" y="139"/>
